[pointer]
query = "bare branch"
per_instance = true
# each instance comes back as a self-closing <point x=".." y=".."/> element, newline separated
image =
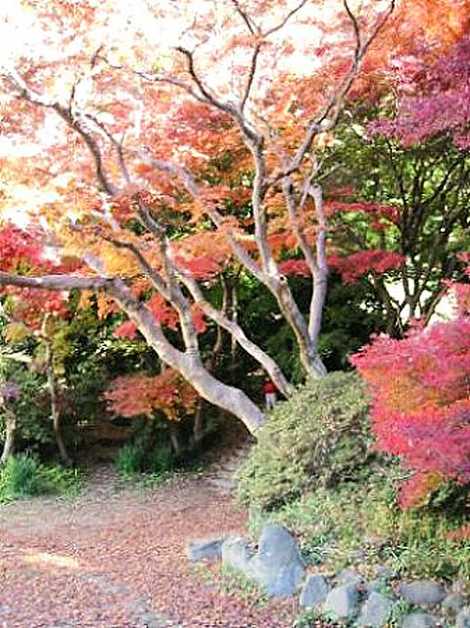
<point x="118" y="145"/>
<point x="322" y="122"/>
<point x="54" y="282"/>
<point x="245" y="17"/>
<point x="220" y="317"/>
<point x="156" y="78"/>
<point x="357" y="32"/>
<point x="283" y="22"/>
<point x="198" y="81"/>
<point x="75" y="122"/>
<point x="251" y="76"/>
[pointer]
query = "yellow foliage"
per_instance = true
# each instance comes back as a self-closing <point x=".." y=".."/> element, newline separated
<point x="16" y="332"/>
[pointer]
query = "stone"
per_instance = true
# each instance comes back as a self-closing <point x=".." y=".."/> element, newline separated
<point x="277" y="566"/>
<point x="349" y="576"/>
<point x="453" y="603"/>
<point x="463" y="618"/>
<point x="419" y="620"/>
<point x="384" y="573"/>
<point x="341" y="602"/>
<point x="314" y="592"/>
<point x="202" y="549"/>
<point x="422" y="592"/>
<point x="236" y="553"/>
<point x="459" y="586"/>
<point x="375" y="610"/>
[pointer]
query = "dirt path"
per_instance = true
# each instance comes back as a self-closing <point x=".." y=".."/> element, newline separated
<point x="115" y="558"/>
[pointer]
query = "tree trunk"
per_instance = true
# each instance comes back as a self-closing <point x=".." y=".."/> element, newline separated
<point x="174" y="438"/>
<point x="198" y="425"/>
<point x="10" y="428"/>
<point x="53" y="395"/>
<point x="231" y="399"/>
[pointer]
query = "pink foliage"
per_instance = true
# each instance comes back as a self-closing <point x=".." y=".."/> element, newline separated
<point x="127" y="329"/>
<point x="434" y="100"/>
<point x="421" y="406"/>
<point x="353" y="267"/>
<point x="294" y="267"/>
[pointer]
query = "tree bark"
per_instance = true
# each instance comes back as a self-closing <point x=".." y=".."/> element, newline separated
<point x="174" y="438"/>
<point x="10" y="428"/>
<point x="198" y="425"/>
<point x="231" y="399"/>
<point x="54" y="397"/>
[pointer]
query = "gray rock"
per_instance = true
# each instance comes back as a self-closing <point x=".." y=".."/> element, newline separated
<point x="277" y="566"/>
<point x="235" y="553"/>
<point x="349" y="576"/>
<point x="419" y="620"/>
<point x="463" y="618"/>
<point x="342" y="601"/>
<point x="384" y="573"/>
<point x="453" y="603"/>
<point x="459" y="586"/>
<point x="375" y="610"/>
<point x="422" y="592"/>
<point x="201" y="549"/>
<point x="314" y="592"/>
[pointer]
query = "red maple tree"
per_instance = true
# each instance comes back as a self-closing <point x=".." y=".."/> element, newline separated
<point x="218" y="139"/>
<point x="421" y="404"/>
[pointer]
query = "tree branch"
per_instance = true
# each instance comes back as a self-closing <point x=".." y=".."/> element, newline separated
<point x="283" y="22"/>
<point x="54" y="282"/>
<point x="245" y="17"/>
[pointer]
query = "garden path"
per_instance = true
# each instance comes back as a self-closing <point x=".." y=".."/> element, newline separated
<point x="114" y="557"/>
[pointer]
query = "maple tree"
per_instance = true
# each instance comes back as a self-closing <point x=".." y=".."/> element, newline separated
<point x="421" y="408"/>
<point x="158" y="179"/>
<point x="403" y="238"/>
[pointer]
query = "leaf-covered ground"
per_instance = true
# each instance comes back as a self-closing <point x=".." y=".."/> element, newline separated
<point x="115" y="557"/>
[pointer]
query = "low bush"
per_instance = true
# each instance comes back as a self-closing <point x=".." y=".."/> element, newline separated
<point x="133" y="459"/>
<point x="315" y="469"/>
<point x="130" y="460"/>
<point x="24" y="476"/>
<point x="317" y="438"/>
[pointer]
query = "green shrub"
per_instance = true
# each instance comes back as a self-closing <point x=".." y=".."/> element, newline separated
<point x="25" y="476"/>
<point x="130" y="459"/>
<point x="160" y="460"/>
<point x="133" y="459"/>
<point x="318" y="437"/>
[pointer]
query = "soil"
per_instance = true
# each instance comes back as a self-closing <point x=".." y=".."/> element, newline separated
<point x="114" y="557"/>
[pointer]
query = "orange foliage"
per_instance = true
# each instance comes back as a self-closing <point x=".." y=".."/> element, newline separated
<point x="137" y="395"/>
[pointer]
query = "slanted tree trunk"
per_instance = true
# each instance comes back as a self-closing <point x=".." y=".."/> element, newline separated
<point x="189" y="364"/>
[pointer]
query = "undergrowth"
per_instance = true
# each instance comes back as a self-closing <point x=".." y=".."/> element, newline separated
<point x="24" y="476"/>
<point x="314" y="469"/>
<point x="360" y="524"/>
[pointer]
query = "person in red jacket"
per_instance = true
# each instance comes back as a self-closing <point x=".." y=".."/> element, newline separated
<point x="270" y="393"/>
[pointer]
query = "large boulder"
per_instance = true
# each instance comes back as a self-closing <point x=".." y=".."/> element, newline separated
<point x="205" y="549"/>
<point x="375" y="610"/>
<point x="453" y="603"/>
<point x="349" y="576"/>
<point x="422" y="592"/>
<point x="236" y="554"/>
<point x="314" y="591"/>
<point x="463" y="618"/>
<point x="277" y="566"/>
<point x="341" y="602"/>
<point x="419" y="620"/>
